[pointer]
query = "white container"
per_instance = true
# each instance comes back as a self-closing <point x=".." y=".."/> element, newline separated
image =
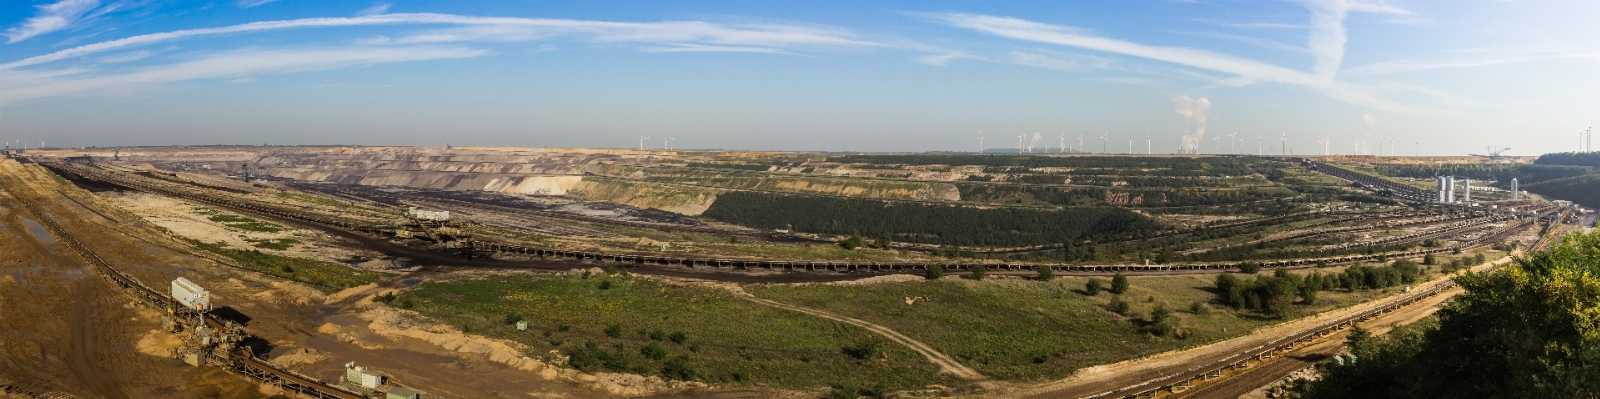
<point x="190" y="295"/>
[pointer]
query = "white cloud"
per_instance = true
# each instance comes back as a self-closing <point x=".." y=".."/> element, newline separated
<point x="1128" y="81"/>
<point x="50" y="18"/>
<point x="1326" y="46"/>
<point x="376" y="9"/>
<point x="125" y="57"/>
<point x="253" y="3"/>
<point x="1369" y="120"/>
<point x="1046" y="61"/>
<point x="235" y="65"/>
<point x="1404" y="66"/>
<point x="516" y="29"/>
<point x="700" y="48"/>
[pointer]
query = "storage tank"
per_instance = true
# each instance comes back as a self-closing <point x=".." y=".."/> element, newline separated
<point x="190" y="295"/>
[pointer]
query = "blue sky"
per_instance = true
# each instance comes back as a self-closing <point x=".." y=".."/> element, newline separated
<point x="1450" y="77"/>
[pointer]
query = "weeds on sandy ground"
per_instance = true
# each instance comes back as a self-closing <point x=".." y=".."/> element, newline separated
<point x="244" y="223"/>
<point x="326" y="276"/>
<point x="1011" y="328"/>
<point x="618" y="323"/>
<point x="273" y="243"/>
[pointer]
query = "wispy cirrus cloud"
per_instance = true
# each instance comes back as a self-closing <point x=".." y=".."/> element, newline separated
<point x="1409" y="65"/>
<point x="29" y="85"/>
<point x="375" y="9"/>
<point x="50" y="18"/>
<point x="253" y="3"/>
<point x="1325" y="42"/>
<point x="770" y="36"/>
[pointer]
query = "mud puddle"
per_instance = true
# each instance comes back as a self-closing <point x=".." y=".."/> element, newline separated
<point x="39" y="232"/>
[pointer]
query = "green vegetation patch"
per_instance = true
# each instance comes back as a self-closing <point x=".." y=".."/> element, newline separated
<point x="1029" y="329"/>
<point x="244" y="223"/>
<point x="607" y="322"/>
<point x="272" y="243"/>
<point x="938" y="224"/>
<point x="327" y="275"/>
<point x="1525" y="331"/>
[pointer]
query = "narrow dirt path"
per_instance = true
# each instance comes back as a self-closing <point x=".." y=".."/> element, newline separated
<point x="946" y="364"/>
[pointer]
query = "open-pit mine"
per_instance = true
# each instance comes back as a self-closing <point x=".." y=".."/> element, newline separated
<point x="405" y="272"/>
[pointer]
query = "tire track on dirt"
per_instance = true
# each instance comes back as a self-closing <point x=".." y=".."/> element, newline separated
<point x="946" y="363"/>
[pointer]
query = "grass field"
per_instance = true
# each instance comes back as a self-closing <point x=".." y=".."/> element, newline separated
<point x="1027" y="329"/>
<point x="626" y="324"/>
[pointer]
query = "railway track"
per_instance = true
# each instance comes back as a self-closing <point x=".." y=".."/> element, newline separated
<point x="240" y="361"/>
<point x="1181" y="381"/>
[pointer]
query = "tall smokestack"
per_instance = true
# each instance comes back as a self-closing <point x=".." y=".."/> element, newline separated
<point x="1450" y="189"/>
<point x="1466" y="195"/>
<point x="1514" y="193"/>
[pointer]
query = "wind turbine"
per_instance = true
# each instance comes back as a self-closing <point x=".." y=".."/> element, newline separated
<point x="1258" y="146"/>
<point x="668" y="142"/>
<point x="1283" y="144"/>
<point x="1148" y="145"/>
<point x="643" y="139"/>
<point x="1063" y="143"/>
<point x="980" y="142"/>
<point x="1130" y="146"/>
<point x="1103" y="142"/>
<point x="1080" y="143"/>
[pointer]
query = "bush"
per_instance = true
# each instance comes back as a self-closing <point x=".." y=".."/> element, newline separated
<point x="1093" y="286"/>
<point x="614" y="330"/>
<point x="1249" y="268"/>
<point x="1119" y="284"/>
<point x="678" y="337"/>
<point x="935" y="271"/>
<point x="1160" y="313"/>
<point x="605" y="285"/>
<point x="679" y="369"/>
<point x="1430" y="260"/>
<point x="513" y="318"/>
<point x="1047" y="273"/>
<point x="861" y="350"/>
<point x="1120" y="306"/>
<point x="653" y="351"/>
<point x="979" y="272"/>
<point x="1200" y="309"/>
<point x="852" y="242"/>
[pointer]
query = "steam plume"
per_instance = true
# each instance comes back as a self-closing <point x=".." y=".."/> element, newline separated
<point x="1194" y="110"/>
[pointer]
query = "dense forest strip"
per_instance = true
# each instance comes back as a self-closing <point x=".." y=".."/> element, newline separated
<point x="947" y="225"/>
<point x="1179" y="166"/>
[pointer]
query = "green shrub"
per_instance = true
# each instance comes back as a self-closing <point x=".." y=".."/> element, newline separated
<point x="614" y="331"/>
<point x="1120" y="306"/>
<point x="1249" y="268"/>
<point x="513" y="318"/>
<point x="653" y="351"/>
<point x="935" y="271"/>
<point x="979" y="272"/>
<point x="1046" y="273"/>
<point x="1093" y="287"/>
<point x="1119" y="284"/>
<point x="861" y="350"/>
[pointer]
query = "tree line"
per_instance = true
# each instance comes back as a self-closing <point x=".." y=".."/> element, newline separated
<point x="1526" y="331"/>
<point x="922" y="223"/>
